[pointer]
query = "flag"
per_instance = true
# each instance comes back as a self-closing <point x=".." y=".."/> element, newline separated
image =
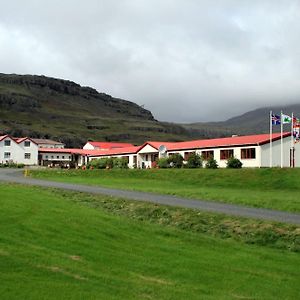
<point x="286" y="119"/>
<point x="296" y="134"/>
<point x="275" y="120"/>
<point x="296" y="122"/>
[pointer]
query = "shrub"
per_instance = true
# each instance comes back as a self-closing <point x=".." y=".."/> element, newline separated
<point x="194" y="161"/>
<point x="103" y="163"/>
<point x="211" y="163"/>
<point x="163" y="163"/>
<point x="234" y="163"/>
<point x="120" y="163"/>
<point x="175" y="160"/>
<point x="98" y="163"/>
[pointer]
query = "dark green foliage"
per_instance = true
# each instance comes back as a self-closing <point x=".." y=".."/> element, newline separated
<point x="175" y="160"/>
<point x="120" y="163"/>
<point x="163" y="163"/>
<point x="12" y="165"/>
<point x="234" y="163"/>
<point x="211" y="164"/>
<point x="100" y="163"/>
<point x="108" y="163"/>
<point x="194" y="161"/>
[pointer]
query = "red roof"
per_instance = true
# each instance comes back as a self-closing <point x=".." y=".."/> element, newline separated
<point x="116" y="151"/>
<point x="109" y="145"/>
<point x="17" y="140"/>
<point x="258" y="139"/>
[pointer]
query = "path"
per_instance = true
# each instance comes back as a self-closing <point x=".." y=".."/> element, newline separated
<point x="13" y="175"/>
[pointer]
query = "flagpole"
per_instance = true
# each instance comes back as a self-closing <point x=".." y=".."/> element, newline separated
<point x="281" y="141"/>
<point x="292" y="142"/>
<point x="271" y="150"/>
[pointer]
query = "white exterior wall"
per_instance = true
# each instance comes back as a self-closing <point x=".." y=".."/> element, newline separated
<point x="276" y="150"/>
<point x="51" y="146"/>
<point x="56" y="156"/>
<point x="32" y="149"/>
<point x="144" y="156"/>
<point x="248" y="163"/>
<point x="12" y="149"/>
<point x="88" y="146"/>
<point x="17" y="152"/>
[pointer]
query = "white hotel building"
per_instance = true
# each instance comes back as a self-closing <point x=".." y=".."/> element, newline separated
<point x="252" y="150"/>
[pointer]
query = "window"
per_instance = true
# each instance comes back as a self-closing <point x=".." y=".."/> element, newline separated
<point x="63" y="157"/>
<point x="52" y="156"/>
<point x="27" y="155"/>
<point x="57" y="156"/>
<point x="248" y="153"/>
<point x="46" y="156"/>
<point x="6" y="154"/>
<point x="27" y="144"/>
<point x="7" y="143"/>
<point x="206" y="155"/>
<point x="226" y="154"/>
<point x="187" y="155"/>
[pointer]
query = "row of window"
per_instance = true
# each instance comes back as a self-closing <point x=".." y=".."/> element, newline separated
<point x="8" y="143"/>
<point x="246" y="153"/>
<point x="57" y="157"/>
<point x="7" y="155"/>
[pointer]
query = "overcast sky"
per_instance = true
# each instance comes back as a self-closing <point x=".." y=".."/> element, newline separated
<point x="185" y="60"/>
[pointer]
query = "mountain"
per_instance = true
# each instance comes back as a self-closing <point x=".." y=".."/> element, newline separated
<point x="252" y="122"/>
<point x="44" y="107"/>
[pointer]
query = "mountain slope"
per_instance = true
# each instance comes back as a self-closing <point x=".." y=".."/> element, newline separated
<point x="40" y="106"/>
<point x="255" y="121"/>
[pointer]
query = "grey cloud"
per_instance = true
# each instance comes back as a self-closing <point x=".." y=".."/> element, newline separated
<point x="185" y="60"/>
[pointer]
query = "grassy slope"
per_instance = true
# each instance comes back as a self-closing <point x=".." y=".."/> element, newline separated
<point x="51" y="248"/>
<point x="268" y="188"/>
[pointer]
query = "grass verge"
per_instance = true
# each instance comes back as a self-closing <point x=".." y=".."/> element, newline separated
<point x="267" y="188"/>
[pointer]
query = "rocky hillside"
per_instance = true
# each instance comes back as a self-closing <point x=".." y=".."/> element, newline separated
<point x="44" y="107"/>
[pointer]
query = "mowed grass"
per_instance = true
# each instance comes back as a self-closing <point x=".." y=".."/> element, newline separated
<point x="268" y="188"/>
<point x="55" y="248"/>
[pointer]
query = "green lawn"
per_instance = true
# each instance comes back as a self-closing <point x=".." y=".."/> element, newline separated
<point x="53" y="247"/>
<point x="268" y="188"/>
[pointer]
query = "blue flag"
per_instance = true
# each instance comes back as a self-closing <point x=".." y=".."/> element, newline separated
<point x="276" y="120"/>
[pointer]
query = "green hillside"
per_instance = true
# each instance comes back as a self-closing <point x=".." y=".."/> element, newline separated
<point x="43" y="107"/>
<point x="63" y="245"/>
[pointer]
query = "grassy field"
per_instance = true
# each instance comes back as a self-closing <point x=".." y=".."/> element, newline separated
<point x="63" y="245"/>
<point x="267" y="188"/>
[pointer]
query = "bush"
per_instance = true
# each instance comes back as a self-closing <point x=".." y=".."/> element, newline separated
<point x="194" y="161"/>
<point x="100" y="163"/>
<point x="211" y="163"/>
<point x="175" y="160"/>
<point x="120" y="163"/>
<point x="234" y="163"/>
<point x="163" y="163"/>
<point x="103" y="163"/>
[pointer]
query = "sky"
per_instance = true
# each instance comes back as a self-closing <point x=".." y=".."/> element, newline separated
<point x="184" y="60"/>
